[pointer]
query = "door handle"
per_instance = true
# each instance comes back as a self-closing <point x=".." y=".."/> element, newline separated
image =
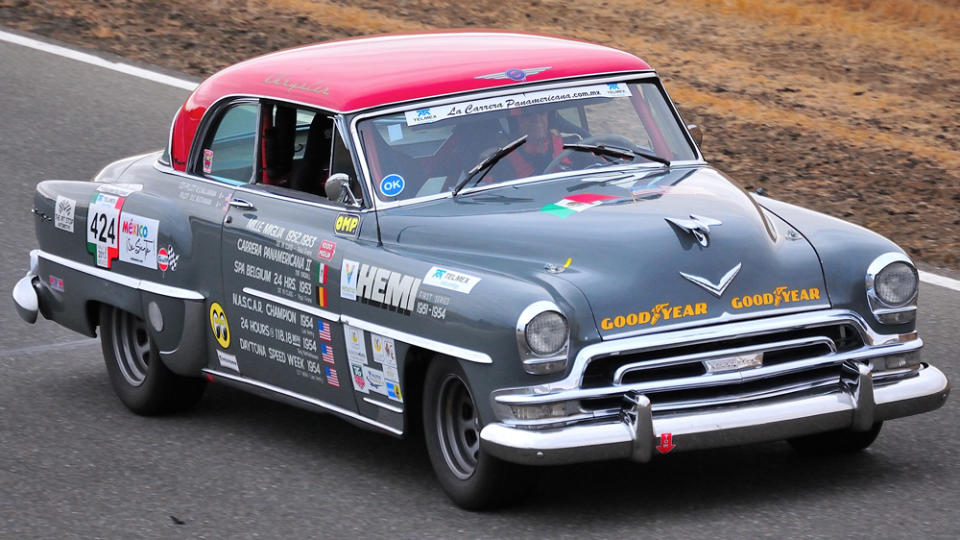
<point x="242" y="204"/>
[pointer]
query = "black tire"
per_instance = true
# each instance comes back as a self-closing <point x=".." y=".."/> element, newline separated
<point x="842" y="441"/>
<point x="137" y="374"/>
<point x="473" y="479"/>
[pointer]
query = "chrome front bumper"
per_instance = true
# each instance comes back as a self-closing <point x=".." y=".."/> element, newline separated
<point x="638" y="434"/>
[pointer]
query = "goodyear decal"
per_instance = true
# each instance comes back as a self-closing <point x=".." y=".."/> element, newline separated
<point x="659" y="312"/>
<point x="218" y="322"/>
<point x="780" y="295"/>
<point x="347" y="225"/>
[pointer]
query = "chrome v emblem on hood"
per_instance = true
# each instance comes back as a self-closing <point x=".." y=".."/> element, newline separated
<point x="698" y="226"/>
<point x="718" y="288"/>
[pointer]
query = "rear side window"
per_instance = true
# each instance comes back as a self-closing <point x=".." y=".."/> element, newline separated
<point x="229" y="154"/>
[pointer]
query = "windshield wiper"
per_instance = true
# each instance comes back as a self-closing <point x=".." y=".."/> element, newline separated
<point x="615" y="151"/>
<point x="488" y="162"/>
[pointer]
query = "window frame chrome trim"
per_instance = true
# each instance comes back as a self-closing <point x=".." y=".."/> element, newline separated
<point x="599" y="78"/>
<point x="120" y="279"/>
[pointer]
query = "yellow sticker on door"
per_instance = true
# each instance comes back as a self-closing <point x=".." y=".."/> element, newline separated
<point x="218" y="322"/>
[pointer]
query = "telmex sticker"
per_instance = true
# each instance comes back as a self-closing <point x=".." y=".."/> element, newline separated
<point x="64" y="212"/>
<point x="448" y="279"/>
<point x="502" y="103"/>
<point x="347" y="225"/>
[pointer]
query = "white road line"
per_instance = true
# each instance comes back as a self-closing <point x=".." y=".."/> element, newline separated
<point x="97" y="61"/>
<point x="942" y="281"/>
<point x="49" y="347"/>
<point x="925" y="277"/>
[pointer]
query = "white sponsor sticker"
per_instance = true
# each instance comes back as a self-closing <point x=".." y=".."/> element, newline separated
<point x="383" y="350"/>
<point x="63" y="214"/>
<point x="228" y="361"/>
<point x="349" y="271"/>
<point x="448" y="279"/>
<point x="358" y="378"/>
<point x="515" y="101"/>
<point x="374" y="380"/>
<point x="356" y="348"/>
<point x="391" y="374"/>
<point x="138" y="240"/>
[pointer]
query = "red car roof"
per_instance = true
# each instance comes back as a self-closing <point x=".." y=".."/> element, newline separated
<point x="360" y="73"/>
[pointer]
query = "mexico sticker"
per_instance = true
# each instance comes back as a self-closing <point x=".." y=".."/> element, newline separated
<point x="218" y="322"/>
<point x="138" y="240"/>
<point x="103" y="228"/>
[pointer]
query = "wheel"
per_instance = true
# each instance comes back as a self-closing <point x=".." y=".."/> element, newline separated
<point x="604" y="138"/>
<point x="842" y="441"/>
<point x="473" y="479"/>
<point x="137" y="374"/>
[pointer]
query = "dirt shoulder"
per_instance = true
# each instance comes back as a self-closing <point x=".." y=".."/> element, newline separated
<point x="847" y="107"/>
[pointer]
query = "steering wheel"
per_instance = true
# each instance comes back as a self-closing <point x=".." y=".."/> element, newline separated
<point x="603" y="138"/>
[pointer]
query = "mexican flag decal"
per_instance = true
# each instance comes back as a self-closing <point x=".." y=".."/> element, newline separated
<point x="575" y="203"/>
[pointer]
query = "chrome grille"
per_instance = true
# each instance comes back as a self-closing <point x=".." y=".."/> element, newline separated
<point x="675" y="377"/>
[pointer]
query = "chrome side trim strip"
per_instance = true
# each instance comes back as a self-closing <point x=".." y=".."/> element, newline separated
<point x="328" y="315"/>
<point x="387" y="406"/>
<point x="300" y="397"/>
<point x="436" y="346"/>
<point x="120" y="279"/>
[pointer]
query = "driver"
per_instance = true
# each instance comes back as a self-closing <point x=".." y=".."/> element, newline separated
<point x="542" y="144"/>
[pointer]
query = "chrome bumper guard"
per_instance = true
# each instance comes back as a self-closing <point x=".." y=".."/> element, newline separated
<point x="637" y="434"/>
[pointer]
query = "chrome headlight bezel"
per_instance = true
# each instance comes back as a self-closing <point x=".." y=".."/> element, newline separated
<point x="884" y="311"/>
<point x="533" y="362"/>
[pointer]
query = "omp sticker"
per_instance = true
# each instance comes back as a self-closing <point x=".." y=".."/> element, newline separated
<point x="392" y="185"/>
<point x="393" y="391"/>
<point x="218" y="322"/>
<point x="332" y="378"/>
<point x="326" y="250"/>
<point x="575" y="203"/>
<point x="359" y="382"/>
<point x="138" y="240"/>
<point x="103" y="228"/>
<point x="348" y="279"/>
<point x="227" y="360"/>
<point x="356" y="344"/>
<point x="514" y="101"/>
<point x="64" y="212"/>
<point x="56" y="283"/>
<point x="374" y="380"/>
<point x="448" y="279"/>
<point x="347" y="225"/>
<point x="207" y="161"/>
<point x="123" y="190"/>
<point x="383" y="350"/>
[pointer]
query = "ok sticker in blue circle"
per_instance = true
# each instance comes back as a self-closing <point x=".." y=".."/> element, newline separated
<point x="391" y="185"/>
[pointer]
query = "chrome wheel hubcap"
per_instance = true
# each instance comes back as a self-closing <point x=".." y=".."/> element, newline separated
<point x="131" y="346"/>
<point x="458" y="427"/>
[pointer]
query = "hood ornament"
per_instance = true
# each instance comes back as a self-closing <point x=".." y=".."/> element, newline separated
<point x="513" y="74"/>
<point x="698" y="226"/>
<point x="715" y="289"/>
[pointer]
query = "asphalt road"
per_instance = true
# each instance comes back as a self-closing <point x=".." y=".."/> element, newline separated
<point x="75" y="462"/>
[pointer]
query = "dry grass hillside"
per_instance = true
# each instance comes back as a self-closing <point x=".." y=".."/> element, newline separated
<point x="846" y="106"/>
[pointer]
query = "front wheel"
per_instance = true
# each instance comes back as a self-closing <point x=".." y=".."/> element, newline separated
<point x="137" y="374"/>
<point x="473" y="479"/>
<point x="842" y="441"/>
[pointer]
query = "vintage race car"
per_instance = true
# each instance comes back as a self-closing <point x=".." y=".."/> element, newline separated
<point x="509" y="242"/>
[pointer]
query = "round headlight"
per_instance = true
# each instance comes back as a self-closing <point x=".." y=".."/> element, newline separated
<point x="546" y="333"/>
<point x="896" y="284"/>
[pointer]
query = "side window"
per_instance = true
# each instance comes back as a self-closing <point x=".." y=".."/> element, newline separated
<point x="230" y="152"/>
<point x="296" y="148"/>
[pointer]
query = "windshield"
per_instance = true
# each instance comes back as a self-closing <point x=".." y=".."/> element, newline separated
<point x="426" y="151"/>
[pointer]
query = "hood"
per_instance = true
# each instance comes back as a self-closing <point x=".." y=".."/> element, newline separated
<point x="648" y="250"/>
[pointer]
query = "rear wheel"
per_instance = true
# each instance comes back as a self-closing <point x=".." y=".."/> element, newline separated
<point x="842" y="441"/>
<point x="137" y="374"/>
<point x="473" y="479"/>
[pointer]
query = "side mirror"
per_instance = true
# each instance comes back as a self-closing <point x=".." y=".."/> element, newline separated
<point x="337" y="188"/>
<point x="696" y="133"/>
